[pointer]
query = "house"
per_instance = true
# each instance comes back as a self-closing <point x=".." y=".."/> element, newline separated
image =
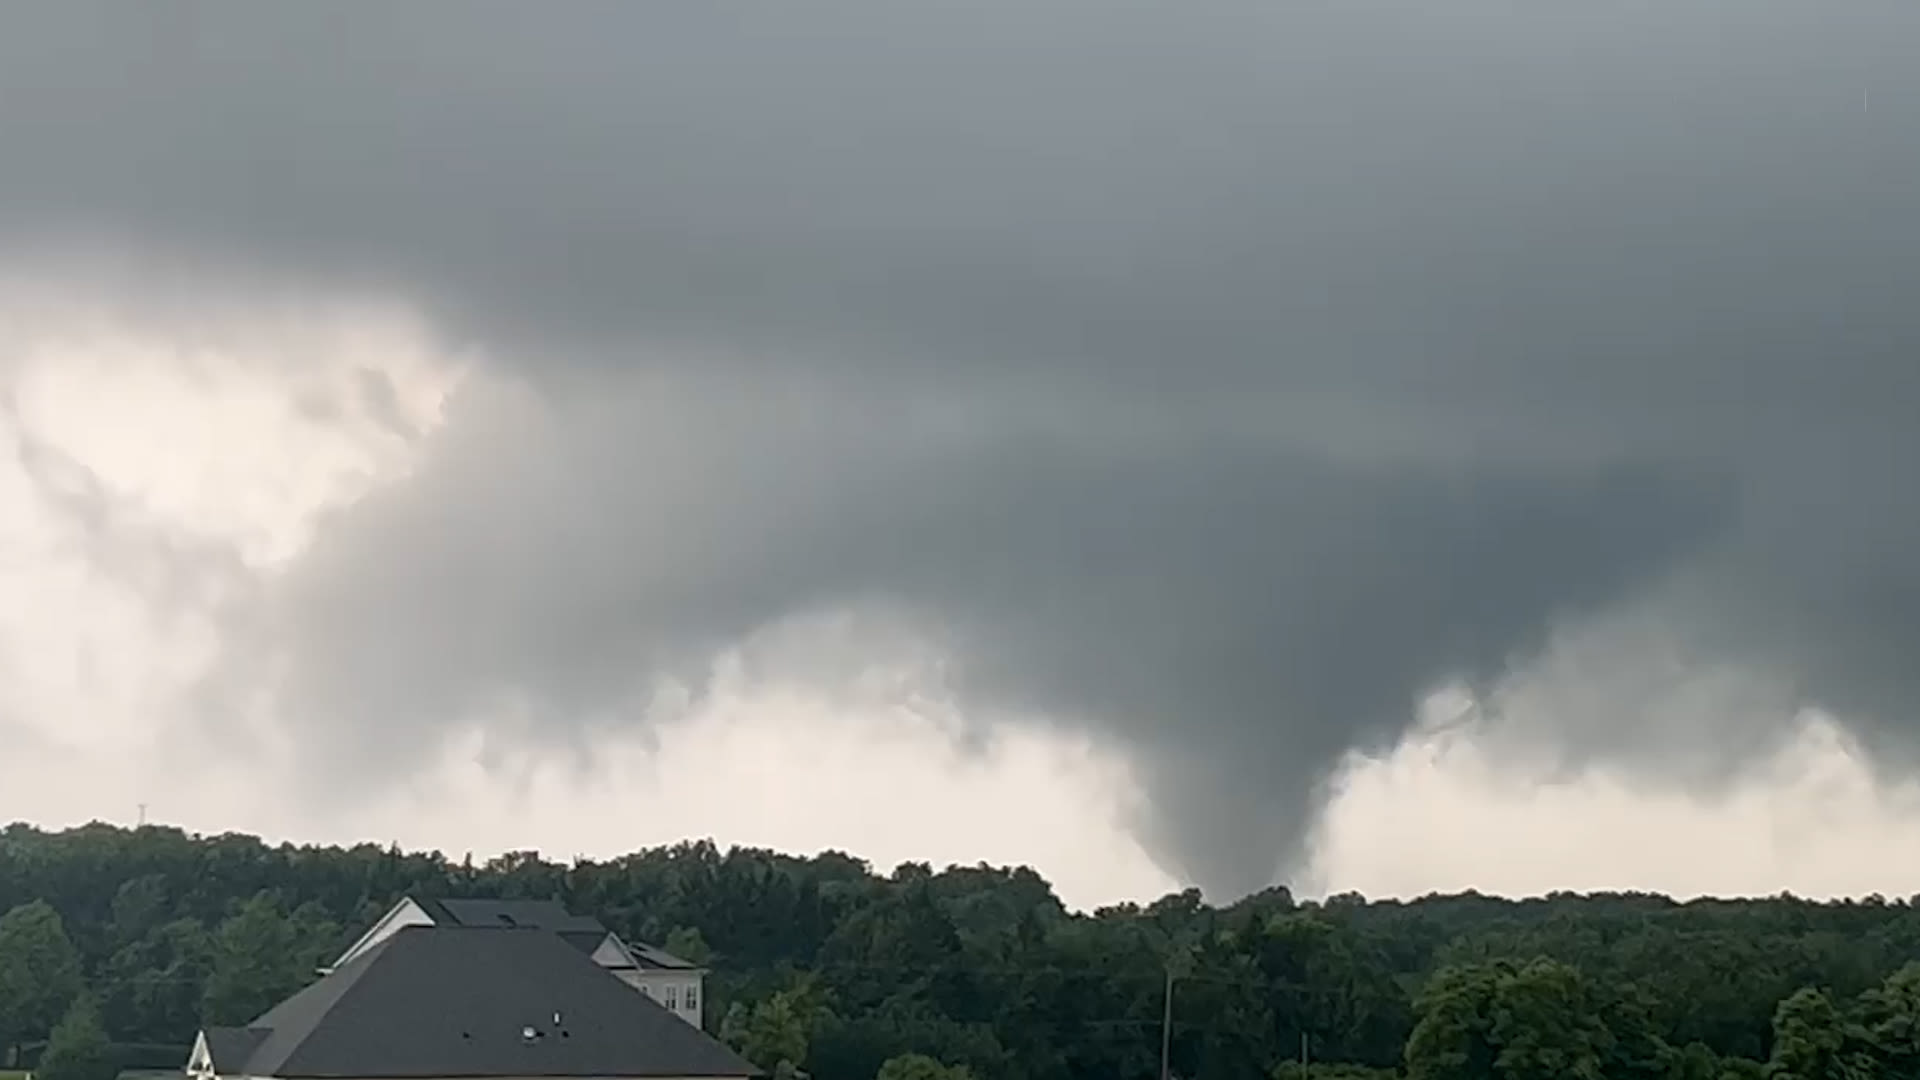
<point x="461" y="1003"/>
<point x="667" y="979"/>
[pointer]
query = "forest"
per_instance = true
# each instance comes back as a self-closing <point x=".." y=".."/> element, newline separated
<point x="117" y="944"/>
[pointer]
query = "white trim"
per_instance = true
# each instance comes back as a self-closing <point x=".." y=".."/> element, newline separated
<point x="413" y="913"/>
<point x="620" y="953"/>
<point x="200" y="1058"/>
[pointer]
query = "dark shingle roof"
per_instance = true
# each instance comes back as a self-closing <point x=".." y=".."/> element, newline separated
<point x="587" y="941"/>
<point x="583" y="932"/>
<point x="544" y="914"/>
<point x="455" y="1002"/>
<point x="651" y="957"/>
<point x="230" y="1047"/>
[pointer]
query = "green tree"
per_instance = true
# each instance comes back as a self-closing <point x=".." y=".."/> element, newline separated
<point x="1812" y="1040"/>
<point x="1637" y="1049"/>
<point x="1293" y="1070"/>
<point x="983" y="967"/>
<point x="154" y="986"/>
<point x="1530" y="1022"/>
<point x="78" y="1048"/>
<point x="139" y="905"/>
<point x="1890" y="1014"/>
<point x="778" y="1030"/>
<point x="1453" y="1037"/>
<point x="686" y="943"/>
<point x="921" y="1067"/>
<point x="1546" y="1026"/>
<point x="1696" y="1061"/>
<point x="256" y="962"/>
<point x="39" y="973"/>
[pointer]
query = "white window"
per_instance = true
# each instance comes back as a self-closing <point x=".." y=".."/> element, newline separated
<point x="673" y="997"/>
<point x="693" y="997"/>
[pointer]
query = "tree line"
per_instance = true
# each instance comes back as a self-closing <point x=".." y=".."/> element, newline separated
<point x="116" y="945"/>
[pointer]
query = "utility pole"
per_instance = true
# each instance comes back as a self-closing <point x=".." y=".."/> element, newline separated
<point x="1303" y="1052"/>
<point x="143" y="816"/>
<point x="1166" y="1024"/>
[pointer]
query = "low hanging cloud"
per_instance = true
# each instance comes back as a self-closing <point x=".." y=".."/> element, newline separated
<point x="1218" y="381"/>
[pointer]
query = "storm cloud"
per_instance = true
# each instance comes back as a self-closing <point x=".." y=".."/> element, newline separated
<point x="1217" y="378"/>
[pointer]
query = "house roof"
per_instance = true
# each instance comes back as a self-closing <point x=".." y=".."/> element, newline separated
<point x="587" y="941"/>
<point x="232" y="1046"/>
<point x="649" y="957"/>
<point x="459" y="1002"/>
<point x="583" y="932"/>
<point x="541" y="914"/>
<point x="637" y="956"/>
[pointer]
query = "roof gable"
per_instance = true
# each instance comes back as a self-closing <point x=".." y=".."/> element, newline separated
<point x="408" y="912"/>
<point x="652" y="957"/>
<point x="459" y="1002"/>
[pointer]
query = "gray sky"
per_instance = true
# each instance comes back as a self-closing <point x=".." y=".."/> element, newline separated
<point x="1202" y="387"/>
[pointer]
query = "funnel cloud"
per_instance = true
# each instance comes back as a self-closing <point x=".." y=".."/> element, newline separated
<point x="1218" y="381"/>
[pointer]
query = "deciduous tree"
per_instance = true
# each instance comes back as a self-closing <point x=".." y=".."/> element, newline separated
<point x="39" y="972"/>
<point x="78" y="1048"/>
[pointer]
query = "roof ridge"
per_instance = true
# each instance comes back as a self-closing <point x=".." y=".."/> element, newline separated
<point x="552" y="912"/>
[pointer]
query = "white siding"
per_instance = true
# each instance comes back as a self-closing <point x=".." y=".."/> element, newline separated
<point x="685" y="989"/>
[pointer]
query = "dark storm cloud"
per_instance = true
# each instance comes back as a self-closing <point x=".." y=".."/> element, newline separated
<point x="1218" y="377"/>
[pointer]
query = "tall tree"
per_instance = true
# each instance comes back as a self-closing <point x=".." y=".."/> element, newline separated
<point x="686" y="943"/>
<point x="154" y="987"/>
<point x="777" y="1031"/>
<point x="78" y="1048"/>
<point x="1535" y="1021"/>
<point x="1890" y="1014"/>
<point x="921" y="1067"/>
<point x="39" y="973"/>
<point x="1453" y="1037"/>
<point x="1812" y="1040"/>
<point x="983" y="968"/>
<point x="1546" y="1025"/>
<point x="258" y="958"/>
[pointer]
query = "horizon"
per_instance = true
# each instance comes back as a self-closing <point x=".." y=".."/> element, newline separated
<point x="484" y="860"/>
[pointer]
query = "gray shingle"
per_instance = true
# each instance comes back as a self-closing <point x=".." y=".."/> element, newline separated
<point x="587" y="941"/>
<point x="656" y="958"/>
<point x="455" y="1002"/>
<point x="544" y="914"/>
<point x="230" y="1047"/>
<point x="583" y="932"/>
